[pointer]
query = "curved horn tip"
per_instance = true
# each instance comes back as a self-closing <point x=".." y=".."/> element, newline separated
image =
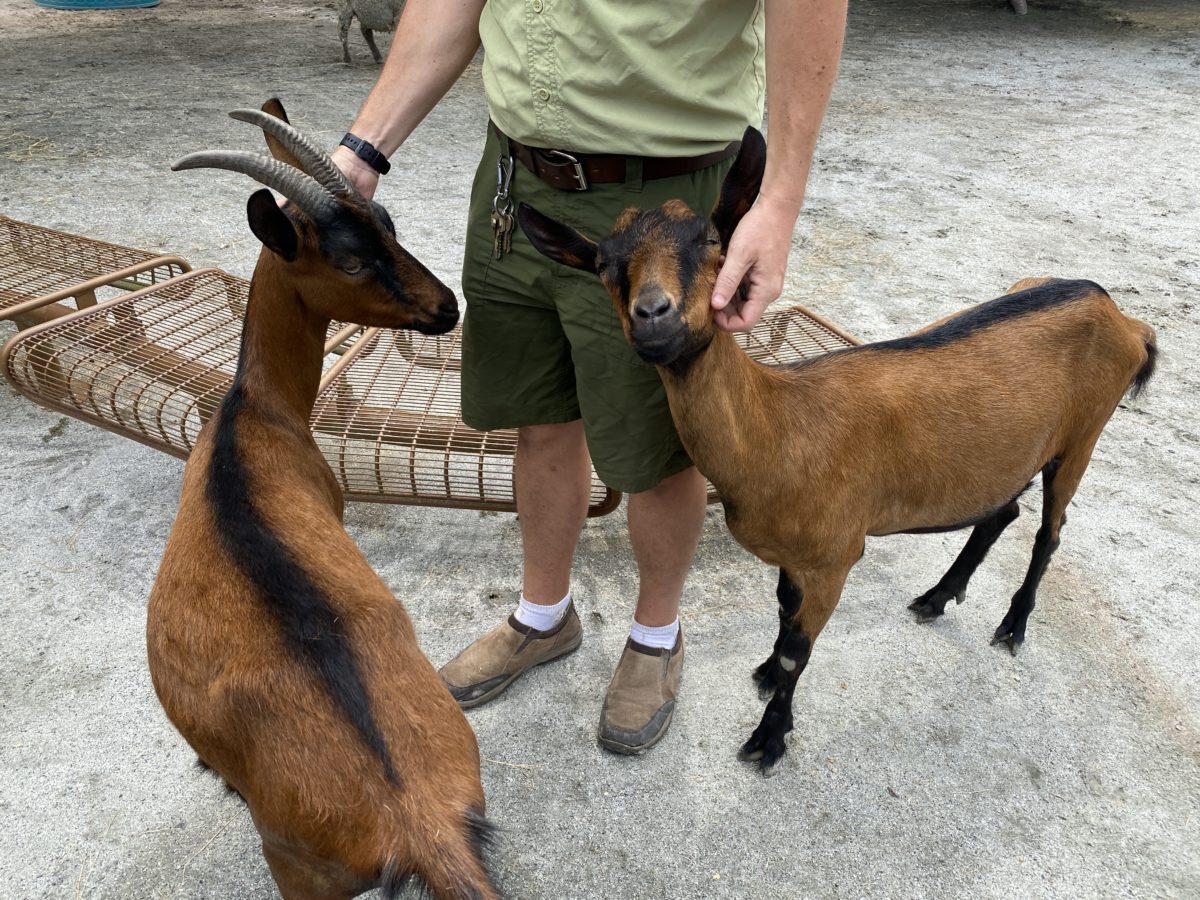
<point x="186" y="162"/>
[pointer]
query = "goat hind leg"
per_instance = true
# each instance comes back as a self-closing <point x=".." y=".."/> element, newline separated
<point x="770" y="675"/>
<point x="821" y="591"/>
<point x="932" y="603"/>
<point x="1060" y="478"/>
<point x="300" y="876"/>
<point x="369" y="37"/>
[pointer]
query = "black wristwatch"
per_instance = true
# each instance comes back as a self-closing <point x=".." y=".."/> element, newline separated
<point x="366" y="151"/>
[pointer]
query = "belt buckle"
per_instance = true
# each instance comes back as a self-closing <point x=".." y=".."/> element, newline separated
<point x="559" y="158"/>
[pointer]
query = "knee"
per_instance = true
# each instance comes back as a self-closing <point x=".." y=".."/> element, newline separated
<point x="560" y="434"/>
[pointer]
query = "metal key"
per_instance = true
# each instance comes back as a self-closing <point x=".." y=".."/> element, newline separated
<point x="502" y="206"/>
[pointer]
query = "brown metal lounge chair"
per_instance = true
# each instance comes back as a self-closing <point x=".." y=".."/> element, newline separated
<point x="153" y="366"/>
<point x="40" y="267"/>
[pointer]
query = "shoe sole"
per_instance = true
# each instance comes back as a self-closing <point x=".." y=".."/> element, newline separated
<point x="503" y="685"/>
<point x="628" y="750"/>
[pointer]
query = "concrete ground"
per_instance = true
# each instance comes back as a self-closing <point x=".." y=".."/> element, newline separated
<point x="964" y="148"/>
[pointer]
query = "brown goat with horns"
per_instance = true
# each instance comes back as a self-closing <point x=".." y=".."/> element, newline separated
<point x="937" y="431"/>
<point x="275" y="649"/>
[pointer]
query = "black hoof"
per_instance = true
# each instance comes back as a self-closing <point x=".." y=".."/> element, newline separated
<point x="1010" y="632"/>
<point x="932" y="603"/>
<point x="766" y="745"/>
<point x="766" y="751"/>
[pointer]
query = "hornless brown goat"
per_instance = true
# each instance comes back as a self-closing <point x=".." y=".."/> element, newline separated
<point x="940" y="430"/>
<point x="275" y="649"/>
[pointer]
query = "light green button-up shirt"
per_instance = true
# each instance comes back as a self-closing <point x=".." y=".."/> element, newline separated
<point x="644" y="77"/>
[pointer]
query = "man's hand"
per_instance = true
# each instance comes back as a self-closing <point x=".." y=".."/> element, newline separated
<point x="358" y="172"/>
<point x="756" y="258"/>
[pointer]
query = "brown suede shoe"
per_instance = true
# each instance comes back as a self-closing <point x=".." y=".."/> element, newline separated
<point x="492" y="663"/>
<point x="641" y="697"/>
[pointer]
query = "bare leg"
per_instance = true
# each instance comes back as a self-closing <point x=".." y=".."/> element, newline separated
<point x="553" y="478"/>
<point x="932" y="603"/>
<point x="664" y="527"/>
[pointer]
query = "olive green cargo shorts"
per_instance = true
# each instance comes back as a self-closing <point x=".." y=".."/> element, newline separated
<point x="541" y="341"/>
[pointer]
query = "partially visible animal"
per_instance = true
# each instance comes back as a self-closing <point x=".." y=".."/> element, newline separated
<point x="274" y="647"/>
<point x="372" y="15"/>
<point x="940" y="430"/>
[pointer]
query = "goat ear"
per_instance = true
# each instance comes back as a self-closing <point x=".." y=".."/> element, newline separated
<point x="271" y="226"/>
<point x="560" y="242"/>
<point x="740" y="188"/>
<point x="274" y="107"/>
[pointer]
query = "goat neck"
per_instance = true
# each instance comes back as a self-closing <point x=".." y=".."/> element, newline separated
<point x="716" y="401"/>
<point x="282" y="344"/>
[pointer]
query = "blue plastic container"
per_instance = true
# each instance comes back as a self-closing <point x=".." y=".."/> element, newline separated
<point x="95" y="4"/>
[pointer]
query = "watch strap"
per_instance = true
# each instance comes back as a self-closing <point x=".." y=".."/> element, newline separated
<point x="366" y="151"/>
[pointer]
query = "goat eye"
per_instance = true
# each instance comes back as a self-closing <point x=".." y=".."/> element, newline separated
<point x="352" y="268"/>
<point x="712" y="242"/>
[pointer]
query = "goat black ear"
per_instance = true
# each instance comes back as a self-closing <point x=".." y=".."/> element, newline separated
<point x="560" y="242"/>
<point x="274" y="107"/>
<point x="740" y="188"/>
<point x="271" y="226"/>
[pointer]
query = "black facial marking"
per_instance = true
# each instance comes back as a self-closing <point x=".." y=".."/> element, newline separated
<point x="692" y="251"/>
<point x="311" y="630"/>
<point x="382" y="215"/>
<point x="347" y="238"/>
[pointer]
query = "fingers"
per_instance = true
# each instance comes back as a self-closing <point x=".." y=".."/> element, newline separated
<point x="729" y="279"/>
<point x="751" y="277"/>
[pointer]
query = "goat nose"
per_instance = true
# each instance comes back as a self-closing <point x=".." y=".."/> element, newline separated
<point x="652" y="304"/>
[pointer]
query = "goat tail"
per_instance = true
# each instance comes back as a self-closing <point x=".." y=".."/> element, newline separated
<point x="459" y="868"/>
<point x="1150" y="342"/>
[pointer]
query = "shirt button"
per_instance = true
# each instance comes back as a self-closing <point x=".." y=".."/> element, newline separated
<point x="536" y="5"/>
<point x="543" y="94"/>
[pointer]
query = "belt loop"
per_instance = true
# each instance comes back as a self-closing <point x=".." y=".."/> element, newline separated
<point x="633" y="174"/>
<point x="505" y="148"/>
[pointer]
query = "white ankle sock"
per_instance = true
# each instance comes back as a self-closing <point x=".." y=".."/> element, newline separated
<point x="662" y="636"/>
<point x="541" y="617"/>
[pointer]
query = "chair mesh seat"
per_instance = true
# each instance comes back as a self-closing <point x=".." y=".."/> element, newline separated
<point x="153" y="365"/>
<point x="39" y="266"/>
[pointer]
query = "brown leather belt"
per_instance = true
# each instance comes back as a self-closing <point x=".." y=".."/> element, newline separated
<point x="578" y="171"/>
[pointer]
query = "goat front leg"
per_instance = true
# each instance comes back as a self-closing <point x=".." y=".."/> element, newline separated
<point x="932" y="603"/>
<point x="816" y="593"/>
<point x="345" y="17"/>
<point x="771" y="675"/>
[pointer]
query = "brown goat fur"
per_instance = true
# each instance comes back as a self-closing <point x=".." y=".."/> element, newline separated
<point x="943" y="429"/>
<point x="274" y="647"/>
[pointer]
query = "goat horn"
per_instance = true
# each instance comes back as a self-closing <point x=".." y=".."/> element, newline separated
<point x="313" y="160"/>
<point x="303" y="190"/>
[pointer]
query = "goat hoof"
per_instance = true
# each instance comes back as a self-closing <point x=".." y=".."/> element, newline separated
<point x="929" y="605"/>
<point x="766" y="745"/>
<point x="765" y="750"/>
<point x="1010" y="636"/>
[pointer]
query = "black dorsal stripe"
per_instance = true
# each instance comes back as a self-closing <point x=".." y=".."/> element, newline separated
<point x="1005" y="308"/>
<point x="310" y="627"/>
<point x="1010" y="306"/>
